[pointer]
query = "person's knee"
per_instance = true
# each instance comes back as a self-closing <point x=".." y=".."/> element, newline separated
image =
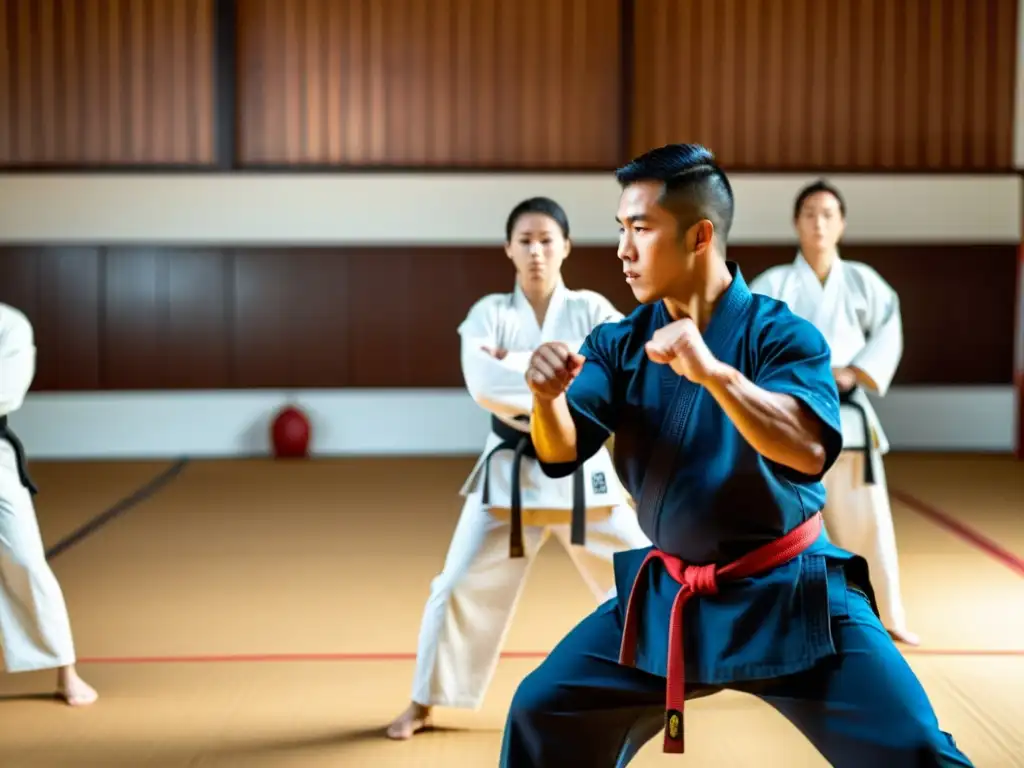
<point x="444" y="585"/>
<point x="535" y="696"/>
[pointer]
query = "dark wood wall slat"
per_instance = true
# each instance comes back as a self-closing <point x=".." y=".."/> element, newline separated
<point x="177" y="318"/>
<point x="59" y="290"/>
<point x="71" y="314"/>
<point x="407" y="83"/>
<point x="135" y="306"/>
<point x="106" y="82"/>
<point x="870" y="85"/>
<point x="867" y="85"/>
<point x="260" y="316"/>
<point x="320" y="326"/>
<point x="198" y="341"/>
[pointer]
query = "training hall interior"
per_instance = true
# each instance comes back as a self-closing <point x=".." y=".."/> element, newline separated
<point x="245" y="234"/>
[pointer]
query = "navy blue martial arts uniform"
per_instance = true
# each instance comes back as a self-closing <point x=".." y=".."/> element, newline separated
<point x="803" y="636"/>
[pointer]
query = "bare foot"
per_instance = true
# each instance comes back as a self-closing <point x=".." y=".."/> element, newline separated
<point x="904" y="636"/>
<point x="412" y="721"/>
<point x="73" y="689"/>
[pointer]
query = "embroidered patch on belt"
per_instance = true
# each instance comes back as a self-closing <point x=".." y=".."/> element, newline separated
<point x="674" y="724"/>
<point x="598" y="482"/>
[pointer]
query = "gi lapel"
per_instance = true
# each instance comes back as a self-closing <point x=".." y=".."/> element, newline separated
<point x="554" y="327"/>
<point x="824" y="316"/>
<point x="730" y="310"/>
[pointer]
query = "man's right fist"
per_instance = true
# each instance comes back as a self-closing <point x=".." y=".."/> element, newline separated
<point x="552" y="368"/>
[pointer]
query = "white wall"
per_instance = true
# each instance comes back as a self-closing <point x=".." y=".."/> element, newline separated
<point x="378" y="422"/>
<point x="442" y="209"/>
<point x="464" y="209"/>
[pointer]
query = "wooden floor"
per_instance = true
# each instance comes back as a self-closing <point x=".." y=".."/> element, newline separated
<point x="244" y="615"/>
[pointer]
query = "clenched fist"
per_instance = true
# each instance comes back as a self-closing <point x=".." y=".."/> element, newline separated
<point x="680" y="345"/>
<point x="552" y="368"/>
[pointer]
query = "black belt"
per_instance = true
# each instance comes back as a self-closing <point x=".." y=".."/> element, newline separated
<point x="522" y="445"/>
<point x="19" y="454"/>
<point x="846" y="398"/>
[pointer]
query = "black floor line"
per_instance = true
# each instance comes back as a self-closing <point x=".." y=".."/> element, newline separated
<point x="125" y="504"/>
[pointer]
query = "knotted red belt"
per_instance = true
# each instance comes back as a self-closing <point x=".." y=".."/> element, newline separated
<point x="702" y="580"/>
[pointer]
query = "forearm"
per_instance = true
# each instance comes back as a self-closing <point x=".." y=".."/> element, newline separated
<point x="875" y="365"/>
<point x="777" y="426"/>
<point x="875" y="368"/>
<point x="553" y="430"/>
<point x="498" y="385"/>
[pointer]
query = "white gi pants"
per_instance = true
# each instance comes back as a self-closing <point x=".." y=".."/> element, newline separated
<point x="472" y="601"/>
<point x="35" y="631"/>
<point x="858" y="518"/>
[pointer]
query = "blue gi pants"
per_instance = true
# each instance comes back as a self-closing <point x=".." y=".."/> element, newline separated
<point x="862" y="708"/>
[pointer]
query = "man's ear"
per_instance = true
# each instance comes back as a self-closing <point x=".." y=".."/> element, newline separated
<point x="700" y="236"/>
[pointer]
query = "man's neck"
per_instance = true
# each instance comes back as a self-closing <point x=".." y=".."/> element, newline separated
<point x="821" y="262"/>
<point x="697" y="300"/>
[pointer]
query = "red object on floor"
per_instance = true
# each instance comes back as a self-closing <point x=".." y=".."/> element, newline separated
<point x="290" y="433"/>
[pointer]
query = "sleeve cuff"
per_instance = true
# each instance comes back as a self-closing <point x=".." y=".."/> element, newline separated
<point x="590" y="437"/>
<point x="828" y="416"/>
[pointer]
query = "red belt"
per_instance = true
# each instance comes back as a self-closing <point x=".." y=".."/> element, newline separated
<point x="703" y="580"/>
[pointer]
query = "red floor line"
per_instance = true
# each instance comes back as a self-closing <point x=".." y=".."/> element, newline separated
<point x="266" y="658"/>
<point x="963" y="532"/>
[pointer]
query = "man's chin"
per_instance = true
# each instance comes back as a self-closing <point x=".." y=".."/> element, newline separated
<point x="644" y="294"/>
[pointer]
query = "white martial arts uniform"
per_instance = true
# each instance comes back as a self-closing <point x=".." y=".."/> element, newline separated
<point x="35" y="632"/>
<point x="858" y="313"/>
<point x="472" y="601"/>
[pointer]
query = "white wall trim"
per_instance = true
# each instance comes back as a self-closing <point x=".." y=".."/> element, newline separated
<point x="405" y="422"/>
<point x="464" y="209"/>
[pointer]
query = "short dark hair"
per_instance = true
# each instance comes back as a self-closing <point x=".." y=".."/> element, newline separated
<point x="542" y="205"/>
<point x="812" y="189"/>
<point x="695" y="186"/>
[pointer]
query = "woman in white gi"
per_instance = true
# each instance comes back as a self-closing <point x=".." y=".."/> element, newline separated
<point x="35" y="631"/>
<point x="472" y="601"/>
<point x="859" y="315"/>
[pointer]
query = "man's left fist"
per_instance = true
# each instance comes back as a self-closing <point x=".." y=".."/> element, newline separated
<point x="680" y="345"/>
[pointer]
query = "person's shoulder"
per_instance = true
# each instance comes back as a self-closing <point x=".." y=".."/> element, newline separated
<point x="776" y="325"/>
<point x="869" y="277"/>
<point x="484" y="315"/>
<point x="595" y="305"/>
<point x="613" y="337"/>
<point x="14" y="318"/>
<point x="487" y="305"/>
<point x="15" y="325"/>
<point x="587" y="296"/>
<point x="768" y="281"/>
<point x="638" y="321"/>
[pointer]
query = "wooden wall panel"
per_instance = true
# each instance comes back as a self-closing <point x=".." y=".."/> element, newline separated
<point x="71" y="316"/>
<point x="428" y="83"/>
<point x="409" y="336"/>
<point x="853" y="85"/>
<point x="769" y="85"/>
<point x="106" y="82"/>
<point x="165" y="321"/>
<point x="59" y="289"/>
<point x="198" y="336"/>
<point x="291" y="320"/>
<point x="119" y="318"/>
<point x="135" y="314"/>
